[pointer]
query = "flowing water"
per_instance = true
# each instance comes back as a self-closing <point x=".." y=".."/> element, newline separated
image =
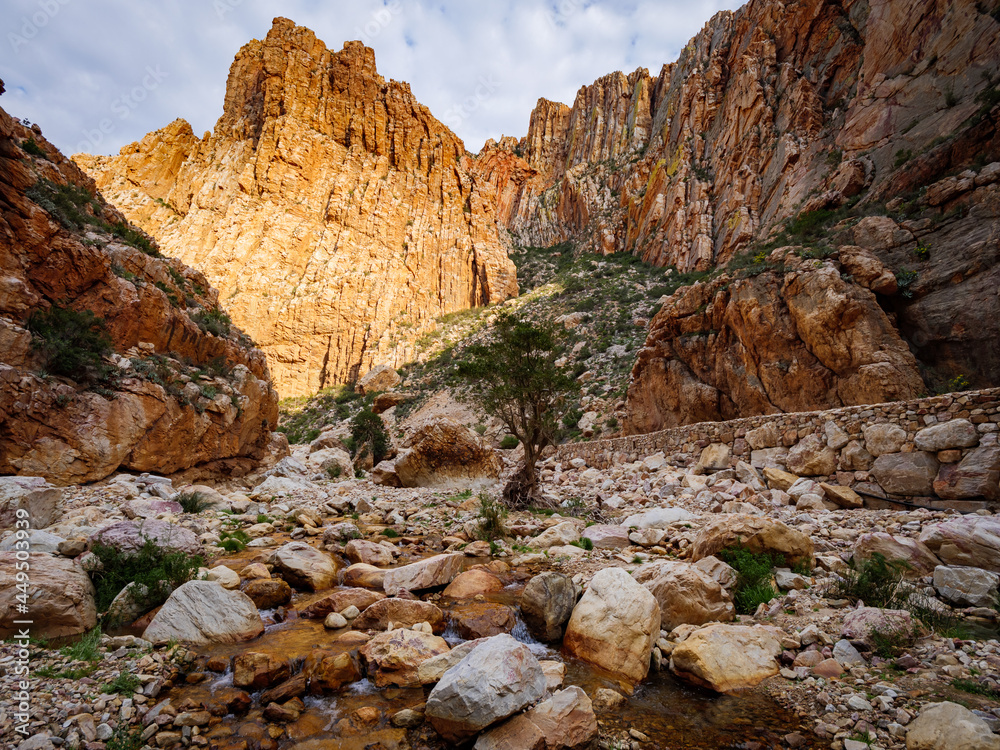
<point x="670" y="713"/>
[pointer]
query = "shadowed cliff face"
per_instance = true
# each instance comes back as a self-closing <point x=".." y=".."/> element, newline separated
<point x="336" y="216"/>
<point x="771" y="112"/>
<point x="175" y="396"/>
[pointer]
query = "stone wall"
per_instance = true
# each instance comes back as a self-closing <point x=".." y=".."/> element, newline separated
<point x="767" y="440"/>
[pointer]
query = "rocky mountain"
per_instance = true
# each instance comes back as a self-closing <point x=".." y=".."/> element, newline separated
<point x="788" y="124"/>
<point x="111" y="355"/>
<point x="335" y="214"/>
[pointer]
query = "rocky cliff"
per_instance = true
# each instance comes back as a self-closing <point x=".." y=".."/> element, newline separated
<point x="815" y="112"/>
<point x="111" y="356"/>
<point x="337" y="217"/>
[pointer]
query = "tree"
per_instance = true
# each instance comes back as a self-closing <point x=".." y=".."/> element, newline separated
<point x="368" y="431"/>
<point x="514" y="378"/>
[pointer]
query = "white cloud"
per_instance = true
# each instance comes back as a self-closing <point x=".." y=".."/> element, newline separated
<point x="97" y="78"/>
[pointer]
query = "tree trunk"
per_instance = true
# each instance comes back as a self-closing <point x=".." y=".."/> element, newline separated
<point x="521" y="489"/>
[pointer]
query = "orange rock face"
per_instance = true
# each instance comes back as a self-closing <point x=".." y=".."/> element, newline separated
<point x="162" y="410"/>
<point x="336" y="216"/>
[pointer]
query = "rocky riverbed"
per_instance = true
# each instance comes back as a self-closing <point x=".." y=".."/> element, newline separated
<point x="360" y="614"/>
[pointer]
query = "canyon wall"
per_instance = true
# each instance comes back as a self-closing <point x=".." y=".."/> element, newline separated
<point x="337" y="217"/>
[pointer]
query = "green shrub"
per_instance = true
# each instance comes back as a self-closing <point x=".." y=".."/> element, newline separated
<point x="73" y="343"/>
<point x="214" y="321"/>
<point x="876" y="581"/>
<point x="334" y="471"/>
<point x="584" y="543"/>
<point x="889" y="644"/>
<point x="903" y="155"/>
<point x="151" y="567"/>
<point x="508" y="442"/>
<point x="85" y="649"/>
<point x="234" y="541"/>
<point x="572" y="418"/>
<point x="492" y="519"/>
<point x="136" y="238"/>
<point x="368" y="429"/>
<point x="191" y="502"/>
<point x="30" y="146"/>
<point x="753" y="577"/>
<point x="905" y="278"/>
<point x="124" y="738"/>
<point x="125" y="684"/>
<point x="391" y="533"/>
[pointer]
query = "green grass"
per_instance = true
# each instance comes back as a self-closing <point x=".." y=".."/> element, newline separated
<point x="391" y="533"/>
<point x="124" y="684"/>
<point x="509" y="442"/>
<point x="234" y="541"/>
<point x="30" y="146"/>
<point x="583" y="543"/>
<point x="492" y="519"/>
<point x="85" y="649"/>
<point x="125" y="738"/>
<point x="753" y="577"/>
<point x="191" y="502"/>
<point x="970" y="686"/>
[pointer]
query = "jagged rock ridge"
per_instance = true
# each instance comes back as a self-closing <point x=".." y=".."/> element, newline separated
<point x="337" y="217"/>
<point x="177" y="396"/>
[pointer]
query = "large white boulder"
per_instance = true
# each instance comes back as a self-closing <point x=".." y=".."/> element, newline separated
<point x="725" y="658"/>
<point x="202" y="612"/>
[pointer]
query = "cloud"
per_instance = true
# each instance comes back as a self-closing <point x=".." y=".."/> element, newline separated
<point x="97" y="76"/>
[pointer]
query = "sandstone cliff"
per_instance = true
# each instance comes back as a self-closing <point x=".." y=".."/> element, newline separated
<point x="170" y="396"/>
<point x="336" y="216"/>
<point x="778" y="110"/>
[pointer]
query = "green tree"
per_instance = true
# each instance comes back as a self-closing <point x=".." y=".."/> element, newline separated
<point x="368" y="431"/>
<point x="513" y="377"/>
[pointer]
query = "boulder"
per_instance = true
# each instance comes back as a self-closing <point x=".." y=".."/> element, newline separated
<point x="36" y="541"/>
<point x="370" y="553"/>
<point x="723" y="574"/>
<point x="41" y="500"/>
<point x="384" y="474"/>
<point x="970" y="540"/>
<point x="435" y="571"/>
<point x="778" y="479"/>
<point x="305" y="567"/>
<point x="202" y="612"/>
<point x="130" y="536"/>
<point x="918" y="556"/>
<point x="447" y="455"/>
<point x="966" y="587"/>
<point x="150" y="507"/>
<point x="975" y="476"/>
<point x="859" y="624"/>
<point x="908" y="474"/>
<point x="764" y="437"/>
<point x="256" y="671"/>
<point x="546" y="605"/>
<point x="615" y="625"/>
<point x="330" y="672"/>
<point x="210" y="498"/>
<point x="393" y="658"/>
<point x="475" y="620"/>
<point x="714" y="457"/>
<point x="377" y="380"/>
<point x="472" y="583"/>
<point x="812" y="457"/>
<point x="268" y="593"/>
<point x="949" y="726"/>
<point x="225" y="577"/>
<point x="433" y="669"/>
<point x="338" y="601"/>
<point x="835" y="436"/>
<point x="725" y="658"/>
<point x="758" y="534"/>
<point x="566" y="720"/>
<point x="60" y="599"/>
<point x="334" y="462"/>
<point x="955" y="433"/>
<point x="867" y="270"/>
<point x="854" y="457"/>
<point x="658" y="518"/>
<point x="401" y="613"/>
<point x="364" y="576"/>
<point x="686" y="594"/>
<point x="605" y="536"/>
<point x="881" y="439"/>
<point x="845" y="497"/>
<point x="496" y="680"/>
<point x="556" y="536"/>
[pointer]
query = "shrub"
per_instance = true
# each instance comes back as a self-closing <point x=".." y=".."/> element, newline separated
<point x="368" y="429"/>
<point x="136" y="238"/>
<point x="157" y="570"/>
<point x="334" y="471"/>
<point x="753" y="577"/>
<point x="508" y="442"/>
<point x="125" y="684"/>
<point x="583" y="543"/>
<point x="905" y="278"/>
<point x="73" y="343"/>
<point x="214" y="321"/>
<point x="492" y="519"/>
<point x="191" y="502"/>
<point x="30" y="146"/>
<point x="85" y="649"/>
<point x="391" y="533"/>
<point x="876" y="581"/>
<point x="234" y="541"/>
<point x="124" y="738"/>
<point x="889" y="644"/>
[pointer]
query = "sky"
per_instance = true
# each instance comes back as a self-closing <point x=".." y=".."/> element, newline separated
<point x="99" y="74"/>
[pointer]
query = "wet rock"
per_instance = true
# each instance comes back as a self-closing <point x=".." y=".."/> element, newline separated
<point x="268" y="593"/>
<point x="329" y="673"/>
<point x="967" y="587"/>
<point x="615" y="625"/>
<point x="955" y="433"/>
<point x="811" y="457"/>
<point x="859" y="624"/>
<point x="341" y="600"/>
<point x="975" y="476"/>
<point x="948" y="726"/>
<point x="130" y="536"/>
<point x="393" y="658"/>
<point x="605" y="536"/>
<point x="881" y="439"/>
<point x="756" y="533"/>
<point x="364" y="576"/>
<point x="472" y="583"/>
<point x="908" y="474"/>
<point x="916" y="554"/>
<point x="724" y="658"/>
<point x="401" y="613"/>
<point x="685" y="593"/>
<point x="497" y="679"/>
<point x="201" y="612"/>
<point x="41" y="500"/>
<point x="424" y="574"/>
<point x="482" y="619"/>
<point x="546" y="605"/>
<point x="305" y="567"/>
<point x="256" y="671"/>
<point x="370" y="553"/>
<point x="61" y="596"/>
<point x="566" y="720"/>
<point x="973" y="541"/>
